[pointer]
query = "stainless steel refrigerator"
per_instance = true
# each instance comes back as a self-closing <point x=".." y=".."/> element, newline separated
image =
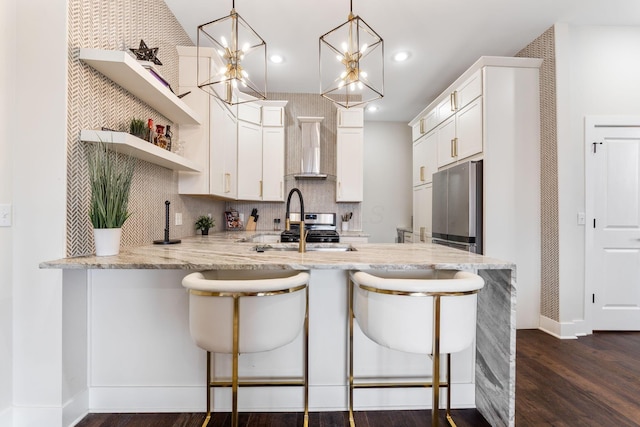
<point x="457" y="207"/>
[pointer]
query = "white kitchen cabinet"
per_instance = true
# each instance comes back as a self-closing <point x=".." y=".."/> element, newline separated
<point x="422" y="212"/>
<point x="425" y="159"/>
<point x="350" y="117"/>
<point x="467" y="91"/>
<point x="446" y="137"/>
<point x="349" y="173"/>
<point x="460" y="136"/>
<point x="497" y="120"/>
<point x="249" y="161"/>
<point x="445" y="109"/>
<point x="224" y="151"/>
<point x="272" y="116"/>
<point x="424" y="124"/>
<point x="468" y="139"/>
<point x="250" y="112"/>
<point x="273" y="164"/>
<point x="228" y="145"/>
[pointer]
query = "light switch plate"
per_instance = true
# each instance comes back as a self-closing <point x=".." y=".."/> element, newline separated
<point x="582" y="218"/>
<point x="178" y="218"/>
<point x="5" y="215"/>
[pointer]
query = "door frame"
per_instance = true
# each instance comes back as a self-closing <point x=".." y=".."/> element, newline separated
<point x="590" y="123"/>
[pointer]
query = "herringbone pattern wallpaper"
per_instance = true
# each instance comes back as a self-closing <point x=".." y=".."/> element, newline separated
<point x="543" y="47"/>
<point x="95" y="101"/>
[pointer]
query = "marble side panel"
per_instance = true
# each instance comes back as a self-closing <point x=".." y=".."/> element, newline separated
<point x="495" y="348"/>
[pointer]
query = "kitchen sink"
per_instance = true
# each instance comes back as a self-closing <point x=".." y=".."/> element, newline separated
<point x="311" y="247"/>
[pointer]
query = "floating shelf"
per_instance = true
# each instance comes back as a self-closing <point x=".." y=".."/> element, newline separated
<point x="130" y="145"/>
<point x="124" y="70"/>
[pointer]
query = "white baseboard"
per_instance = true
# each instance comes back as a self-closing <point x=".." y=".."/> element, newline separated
<point x="37" y="416"/>
<point x="264" y="399"/>
<point x="75" y="409"/>
<point x="563" y="330"/>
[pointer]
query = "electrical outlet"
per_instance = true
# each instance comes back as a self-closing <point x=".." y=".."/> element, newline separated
<point x="178" y="218"/>
<point x="5" y="215"/>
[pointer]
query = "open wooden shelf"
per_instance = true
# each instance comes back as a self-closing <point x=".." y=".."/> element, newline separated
<point x="124" y="70"/>
<point x="125" y="143"/>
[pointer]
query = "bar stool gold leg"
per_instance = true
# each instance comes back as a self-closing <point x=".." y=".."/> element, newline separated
<point x="449" y="417"/>
<point x="236" y="349"/>
<point x="352" y="422"/>
<point x="435" y="420"/>
<point x="208" y="417"/>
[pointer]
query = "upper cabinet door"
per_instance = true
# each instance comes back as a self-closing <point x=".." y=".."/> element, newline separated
<point x="446" y="136"/>
<point x="350" y="167"/>
<point x="425" y="159"/>
<point x="469" y="130"/>
<point x="249" y="161"/>
<point x="468" y="91"/>
<point x="273" y="164"/>
<point x="272" y="116"/>
<point x="350" y="117"/>
<point x="249" y="112"/>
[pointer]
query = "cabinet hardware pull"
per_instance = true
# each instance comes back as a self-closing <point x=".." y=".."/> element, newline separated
<point x="454" y="100"/>
<point x="455" y="147"/>
<point x="421" y="173"/>
<point x="281" y="118"/>
<point x="421" y="126"/>
<point x="451" y="148"/>
<point x="422" y="234"/>
<point x="260" y="188"/>
<point x="227" y="182"/>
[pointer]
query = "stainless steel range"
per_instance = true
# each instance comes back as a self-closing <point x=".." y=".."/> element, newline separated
<point x="321" y="228"/>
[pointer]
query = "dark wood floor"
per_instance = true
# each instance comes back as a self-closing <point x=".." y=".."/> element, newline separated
<point x="592" y="381"/>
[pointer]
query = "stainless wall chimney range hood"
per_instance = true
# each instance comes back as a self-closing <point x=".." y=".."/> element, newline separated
<point x="310" y="159"/>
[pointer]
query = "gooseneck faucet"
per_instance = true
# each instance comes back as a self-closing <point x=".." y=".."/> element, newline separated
<point x="287" y="222"/>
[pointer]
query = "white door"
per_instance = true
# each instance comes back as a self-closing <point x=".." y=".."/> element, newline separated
<point x="613" y="229"/>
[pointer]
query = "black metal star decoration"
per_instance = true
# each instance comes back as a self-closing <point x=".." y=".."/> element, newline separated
<point x="143" y="53"/>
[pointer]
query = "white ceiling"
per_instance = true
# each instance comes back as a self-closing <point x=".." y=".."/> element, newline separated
<point x="444" y="36"/>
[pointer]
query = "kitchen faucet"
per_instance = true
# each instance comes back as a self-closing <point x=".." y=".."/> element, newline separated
<point x="287" y="222"/>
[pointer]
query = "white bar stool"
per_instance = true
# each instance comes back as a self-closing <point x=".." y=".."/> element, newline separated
<point x="417" y="311"/>
<point x="248" y="311"/>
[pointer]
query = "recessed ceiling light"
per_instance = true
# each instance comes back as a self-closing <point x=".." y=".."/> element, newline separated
<point x="372" y="108"/>
<point x="401" y="56"/>
<point x="276" y="59"/>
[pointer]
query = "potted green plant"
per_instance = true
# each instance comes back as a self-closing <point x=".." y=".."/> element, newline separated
<point x="139" y="128"/>
<point x="204" y="223"/>
<point x="110" y="179"/>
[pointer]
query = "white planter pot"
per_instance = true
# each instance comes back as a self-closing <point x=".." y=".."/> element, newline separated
<point x="107" y="241"/>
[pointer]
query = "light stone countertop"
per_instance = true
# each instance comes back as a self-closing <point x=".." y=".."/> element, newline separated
<point x="226" y="250"/>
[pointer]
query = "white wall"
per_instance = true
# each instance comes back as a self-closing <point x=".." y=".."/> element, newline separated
<point x="39" y="200"/>
<point x="7" y="116"/>
<point x="387" y="180"/>
<point x="597" y="70"/>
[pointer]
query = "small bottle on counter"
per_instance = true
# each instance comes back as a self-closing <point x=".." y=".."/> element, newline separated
<point x="168" y="135"/>
<point x="276" y="224"/>
<point x="160" y="139"/>
<point x="151" y="135"/>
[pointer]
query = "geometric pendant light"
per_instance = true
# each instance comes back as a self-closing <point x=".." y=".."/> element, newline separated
<point x="351" y="62"/>
<point x="232" y="60"/>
